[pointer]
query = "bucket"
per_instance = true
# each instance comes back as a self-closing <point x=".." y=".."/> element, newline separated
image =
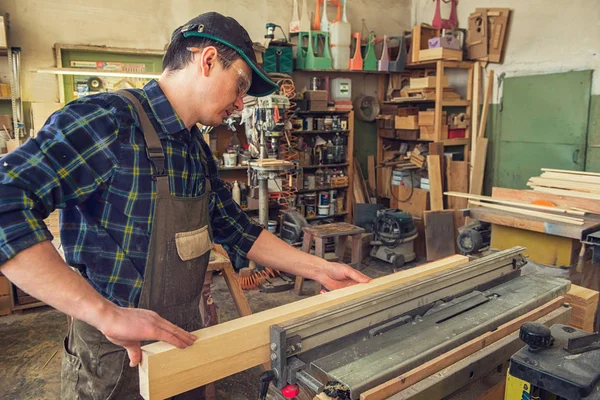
<point x="324" y="211"/>
<point x="310" y="211"/>
<point x="310" y="199"/>
<point x="272" y="226"/>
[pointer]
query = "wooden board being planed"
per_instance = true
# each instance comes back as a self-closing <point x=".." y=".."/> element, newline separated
<point x="529" y="196"/>
<point x="243" y="343"/>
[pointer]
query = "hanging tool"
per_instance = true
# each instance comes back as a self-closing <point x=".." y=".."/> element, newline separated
<point x="449" y="23"/>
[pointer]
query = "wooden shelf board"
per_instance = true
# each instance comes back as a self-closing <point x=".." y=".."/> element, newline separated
<point x="236" y="168"/>
<point x="455" y="142"/>
<point x="447" y="64"/>
<point x="459" y="103"/>
<point x="322" y="189"/>
<point x="329" y="216"/>
<point x="323" y="112"/>
<point x="343" y="71"/>
<point x="324" y="166"/>
<point x="320" y="132"/>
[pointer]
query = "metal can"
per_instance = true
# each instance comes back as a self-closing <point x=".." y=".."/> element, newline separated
<point x="323" y="198"/>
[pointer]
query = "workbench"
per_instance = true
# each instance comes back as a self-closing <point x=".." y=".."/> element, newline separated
<point x="547" y="242"/>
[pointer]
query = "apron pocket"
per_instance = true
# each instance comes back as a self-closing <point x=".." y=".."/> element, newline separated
<point x="69" y="372"/>
<point x="193" y="244"/>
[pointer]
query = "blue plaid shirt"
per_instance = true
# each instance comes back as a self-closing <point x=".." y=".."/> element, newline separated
<point x="89" y="161"/>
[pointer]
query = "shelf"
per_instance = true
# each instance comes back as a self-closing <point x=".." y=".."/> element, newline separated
<point x="237" y="168"/>
<point x="329" y="216"/>
<point x="323" y="112"/>
<point x="458" y="103"/>
<point x="323" y="189"/>
<point x="447" y="63"/>
<point x="455" y="142"/>
<point x="320" y="132"/>
<point x="323" y="166"/>
<point x="5" y="98"/>
<point x="344" y="71"/>
<point x="95" y="72"/>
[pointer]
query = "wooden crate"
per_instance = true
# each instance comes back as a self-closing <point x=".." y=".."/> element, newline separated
<point x="338" y="181"/>
<point x="427" y="132"/>
<point x="426" y="82"/>
<point x="428" y="118"/>
<point x="409" y="122"/>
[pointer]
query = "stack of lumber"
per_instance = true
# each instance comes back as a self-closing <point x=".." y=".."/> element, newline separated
<point x="584" y="303"/>
<point x="548" y="213"/>
<point x="418" y="156"/>
<point x="567" y="183"/>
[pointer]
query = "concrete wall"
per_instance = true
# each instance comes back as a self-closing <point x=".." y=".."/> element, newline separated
<point x="36" y="25"/>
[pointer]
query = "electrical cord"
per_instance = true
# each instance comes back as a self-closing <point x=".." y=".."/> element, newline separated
<point x="412" y="188"/>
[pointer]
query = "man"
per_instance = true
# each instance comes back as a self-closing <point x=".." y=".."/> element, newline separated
<point x="141" y="201"/>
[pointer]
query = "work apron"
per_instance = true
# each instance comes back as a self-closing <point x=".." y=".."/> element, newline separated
<point x="178" y="256"/>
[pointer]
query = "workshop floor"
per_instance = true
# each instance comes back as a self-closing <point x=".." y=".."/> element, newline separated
<point x="30" y="359"/>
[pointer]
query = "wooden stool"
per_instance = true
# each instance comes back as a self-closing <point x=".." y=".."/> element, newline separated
<point x="340" y="231"/>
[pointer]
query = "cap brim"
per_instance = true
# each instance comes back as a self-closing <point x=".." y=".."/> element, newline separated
<point x="261" y="85"/>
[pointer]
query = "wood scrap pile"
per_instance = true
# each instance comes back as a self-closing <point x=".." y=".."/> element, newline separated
<point x="360" y="190"/>
<point x="567" y="183"/>
<point x="585" y="303"/>
<point x="548" y="213"/>
<point x="418" y="156"/>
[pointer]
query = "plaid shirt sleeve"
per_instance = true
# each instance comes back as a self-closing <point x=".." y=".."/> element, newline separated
<point x="231" y="227"/>
<point x="70" y="158"/>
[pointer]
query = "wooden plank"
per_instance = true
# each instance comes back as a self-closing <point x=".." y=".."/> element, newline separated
<point x="415" y="375"/>
<point x="577" y="186"/>
<point x="479" y="166"/>
<point x="486" y="103"/>
<point x="496" y="392"/>
<point x="243" y="343"/>
<point x="435" y="183"/>
<point x="416" y="201"/>
<point x="516" y="203"/>
<point x="571" y="177"/>
<point x="459" y="221"/>
<point x="439" y="97"/>
<point x="570" y="193"/>
<point x="457" y="176"/>
<point x="528" y="196"/>
<point x="361" y="181"/>
<point x="566" y="171"/>
<point x="439" y="234"/>
<point x="371" y="167"/>
<point x="531" y="213"/>
<point x="476" y="104"/>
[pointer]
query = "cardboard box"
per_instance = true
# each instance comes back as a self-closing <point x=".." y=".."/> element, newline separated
<point x="428" y="118"/>
<point x="317" y="105"/>
<point x="427" y="132"/>
<point x="319" y="95"/>
<point x="410" y="122"/>
<point x="426" y="82"/>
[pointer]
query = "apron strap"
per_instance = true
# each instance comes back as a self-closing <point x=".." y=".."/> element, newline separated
<point x="154" y="149"/>
<point x="204" y="162"/>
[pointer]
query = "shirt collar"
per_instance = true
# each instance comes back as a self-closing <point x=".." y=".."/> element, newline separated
<point x="163" y="110"/>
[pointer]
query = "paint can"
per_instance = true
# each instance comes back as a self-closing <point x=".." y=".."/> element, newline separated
<point x="324" y="211"/>
<point x="310" y="211"/>
<point x="323" y="198"/>
<point x="272" y="226"/>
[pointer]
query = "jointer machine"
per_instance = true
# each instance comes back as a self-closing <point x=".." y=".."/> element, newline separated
<point x="348" y="350"/>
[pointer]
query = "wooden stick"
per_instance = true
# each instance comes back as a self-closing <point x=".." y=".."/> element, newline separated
<point x="243" y="343"/>
<point x="486" y="103"/>
<point x="578" y="186"/>
<point x="435" y="183"/>
<point x="529" y="213"/>
<point x="515" y="203"/>
<point x="477" y="176"/>
<point x="429" y="368"/>
<point x="475" y="108"/>
<point x="566" y="171"/>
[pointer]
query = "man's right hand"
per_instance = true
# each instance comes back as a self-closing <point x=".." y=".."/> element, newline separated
<point x="127" y="327"/>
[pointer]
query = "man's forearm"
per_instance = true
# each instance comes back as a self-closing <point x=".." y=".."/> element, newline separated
<point x="42" y="273"/>
<point x="272" y="252"/>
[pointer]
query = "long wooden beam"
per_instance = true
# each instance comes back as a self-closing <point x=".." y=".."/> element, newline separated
<point x="531" y="213"/>
<point x="415" y="375"/>
<point x="243" y="343"/>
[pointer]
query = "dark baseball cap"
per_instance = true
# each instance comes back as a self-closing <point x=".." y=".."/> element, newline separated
<point x="229" y="32"/>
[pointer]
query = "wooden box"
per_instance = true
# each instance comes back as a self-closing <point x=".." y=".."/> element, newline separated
<point x="420" y="50"/>
<point x="387" y="133"/>
<point x="428" y="118"/>
<point x="4" y="90"/>
<point x="406" y="111"/>
<point x="426" y="82"/>
<point x="407" y="134"/>
<point x="385" y="121"/>
<point x="4" y="286"/>
<point x="338" y="181"/>
<point x="317" y="105"/>
<point x="409" y="122"/>
<point x="440" y="54"/>
<point x="427" y="132"/>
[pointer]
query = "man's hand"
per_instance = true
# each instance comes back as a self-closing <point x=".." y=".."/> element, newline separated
<point x="336" y="276"/>
<point x="126" y="327"/>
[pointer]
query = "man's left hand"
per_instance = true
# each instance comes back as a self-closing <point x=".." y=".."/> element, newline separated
<point x="336" y="276"/>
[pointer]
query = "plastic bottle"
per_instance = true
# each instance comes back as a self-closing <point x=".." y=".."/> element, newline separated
<point x="341" y="38"/>
<point x="244" y="196"/>
<point x="236" y="193"/>
<point x="338" y="150"/>
<point x="320" y="177"/>
<point x="330" y="152"/>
